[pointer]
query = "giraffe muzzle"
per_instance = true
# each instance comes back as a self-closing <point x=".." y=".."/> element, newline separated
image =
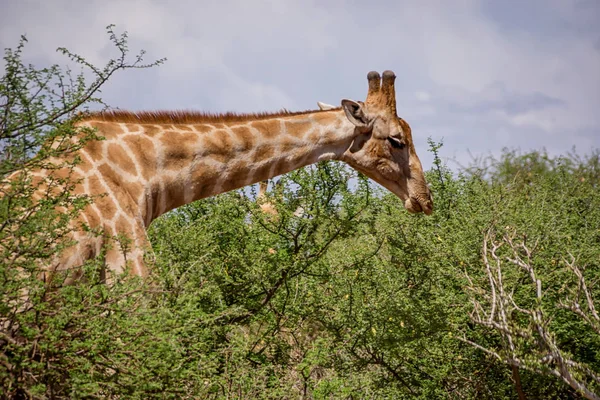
<point x="415" y="205"/>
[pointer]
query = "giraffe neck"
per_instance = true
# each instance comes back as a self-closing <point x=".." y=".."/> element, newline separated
<point x="199" y="160"/>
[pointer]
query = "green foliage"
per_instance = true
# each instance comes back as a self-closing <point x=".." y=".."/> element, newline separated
<point x="341" y="294"/>
<point x="355" y="297"/>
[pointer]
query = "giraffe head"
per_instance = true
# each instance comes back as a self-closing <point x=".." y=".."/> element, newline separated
<point x="383" y="148"/>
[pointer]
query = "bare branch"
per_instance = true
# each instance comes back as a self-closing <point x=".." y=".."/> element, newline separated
<point x="537" y="349"/>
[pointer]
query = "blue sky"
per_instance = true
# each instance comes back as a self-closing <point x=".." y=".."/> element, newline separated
<point x="481" y="74"/>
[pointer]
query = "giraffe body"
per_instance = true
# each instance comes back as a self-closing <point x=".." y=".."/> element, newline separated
<point x="152" y="162"/>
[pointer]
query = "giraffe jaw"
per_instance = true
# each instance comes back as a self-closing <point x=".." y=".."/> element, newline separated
<point x="413" y="203"/>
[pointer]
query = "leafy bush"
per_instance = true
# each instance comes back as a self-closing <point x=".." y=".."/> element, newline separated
<point x="339" y="294"/>
<point x="355" y="297"/>
<point x="48" y="336"/>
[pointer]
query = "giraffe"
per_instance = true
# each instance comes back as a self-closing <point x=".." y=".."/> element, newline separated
<point x="265" y="207"/>
<point x="154" y="161"/>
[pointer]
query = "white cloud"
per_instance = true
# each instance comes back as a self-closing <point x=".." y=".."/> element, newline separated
<point x="482" y="74"/>
<point x="422" y="96"/>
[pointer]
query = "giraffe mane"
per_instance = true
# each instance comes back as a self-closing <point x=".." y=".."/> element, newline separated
<point x="186" y="116"/>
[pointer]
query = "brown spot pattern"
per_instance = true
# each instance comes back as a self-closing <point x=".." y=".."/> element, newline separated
<point x="263" y="153"/>
<point x="244" y="137"/>
<point x="203" y="128"/>
<point x="122" y="225"/>
<point x="174" y="193"/>
<point x="268" y="129"/>
<point x="111" y="178"/>
<point x="118" y="156"/>
<point x="106" y="129"/>
<point x="203" y="179"/>
<point x="93" y="148"/>
<point x="92" y="216"/>
<point x="214" y="149"/>
<point x="295" y="128"/>
<point x="143" y="148"/>
<point x="135" y="190"/>
<point x="151" y="130"/>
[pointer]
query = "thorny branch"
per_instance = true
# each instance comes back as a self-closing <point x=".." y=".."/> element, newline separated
<point x="529" y="345"/>
<point x="591" y="316"/>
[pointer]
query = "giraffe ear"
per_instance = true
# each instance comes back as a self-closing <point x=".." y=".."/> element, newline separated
<point x="355" y="113"/>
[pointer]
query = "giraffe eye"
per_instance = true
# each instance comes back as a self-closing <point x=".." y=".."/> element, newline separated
<point x="396" y="143"/>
